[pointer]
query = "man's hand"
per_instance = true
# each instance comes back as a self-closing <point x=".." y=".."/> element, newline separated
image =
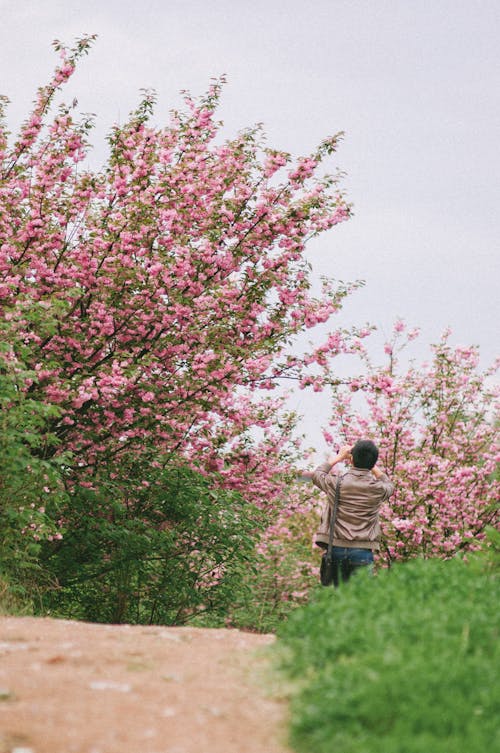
<point x="343" y="454"/>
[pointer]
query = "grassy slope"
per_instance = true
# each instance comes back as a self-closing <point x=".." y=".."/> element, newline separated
<point x="406" y="662"/>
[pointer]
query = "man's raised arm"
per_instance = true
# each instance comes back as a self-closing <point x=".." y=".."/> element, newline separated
<point x="319" y="475"/>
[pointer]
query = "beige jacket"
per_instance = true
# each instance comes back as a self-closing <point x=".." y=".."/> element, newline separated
<point x="361" y="496"/>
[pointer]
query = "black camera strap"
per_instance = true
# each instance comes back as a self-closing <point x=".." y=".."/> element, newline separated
<point x="333" y="519"/>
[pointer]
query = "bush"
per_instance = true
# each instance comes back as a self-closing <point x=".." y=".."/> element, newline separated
<point x="178" y="551"/>
<point x="14" y="599"/>
<point x="401" y="663"/>
<point x="31" y="487"/>
<point x="285" y="569"/>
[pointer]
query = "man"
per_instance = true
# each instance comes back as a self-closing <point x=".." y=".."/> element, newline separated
<point x="363" y="489"/>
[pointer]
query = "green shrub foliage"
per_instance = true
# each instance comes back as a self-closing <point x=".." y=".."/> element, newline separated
<point x="177" y="553"/>
<point x="31" y="486"/>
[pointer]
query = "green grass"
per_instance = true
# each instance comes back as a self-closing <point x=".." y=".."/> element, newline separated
<point x="406" y="662"/>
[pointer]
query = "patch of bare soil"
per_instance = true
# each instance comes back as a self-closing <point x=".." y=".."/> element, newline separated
<point x="73" y="687"/>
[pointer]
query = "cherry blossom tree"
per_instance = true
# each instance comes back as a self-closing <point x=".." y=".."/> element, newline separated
<point x="151" y="306"/>
<point x="153" y="300"/>
<point x="436" y="424"/>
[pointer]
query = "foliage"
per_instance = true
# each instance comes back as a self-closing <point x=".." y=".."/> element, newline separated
<point x="31" y="488"/>
<point x="436" y="424"/>
<point x="14" y="599"/>
<point x="274" y="577"/>
<point x="285" y="567"/>
<point x="167" y="555"/>
<point x="401" y="663"/>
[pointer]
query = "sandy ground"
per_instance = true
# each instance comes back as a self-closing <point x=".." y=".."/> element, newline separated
<point x="71" y="687"/>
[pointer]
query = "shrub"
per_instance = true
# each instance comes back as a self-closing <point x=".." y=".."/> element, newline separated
<point x="166" y="555"/>
<point x="31" y="487"/>
<point x="286" y="567"/>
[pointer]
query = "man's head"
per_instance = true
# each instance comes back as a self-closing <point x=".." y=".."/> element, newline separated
<point x="364" y="454"/>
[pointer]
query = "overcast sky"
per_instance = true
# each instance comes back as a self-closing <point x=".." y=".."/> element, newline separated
<point x="415" y="85"/>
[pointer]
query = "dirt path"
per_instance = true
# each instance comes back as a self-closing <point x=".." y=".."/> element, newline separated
<point x="70" y="687"/>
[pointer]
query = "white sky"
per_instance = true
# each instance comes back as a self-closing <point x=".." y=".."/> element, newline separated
<point x="413" y="83"/>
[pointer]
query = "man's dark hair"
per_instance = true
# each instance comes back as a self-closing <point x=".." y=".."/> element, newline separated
<point x="364" y="454"/>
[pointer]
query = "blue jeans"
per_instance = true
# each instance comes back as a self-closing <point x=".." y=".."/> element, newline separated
<point x="346" y="560"/>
